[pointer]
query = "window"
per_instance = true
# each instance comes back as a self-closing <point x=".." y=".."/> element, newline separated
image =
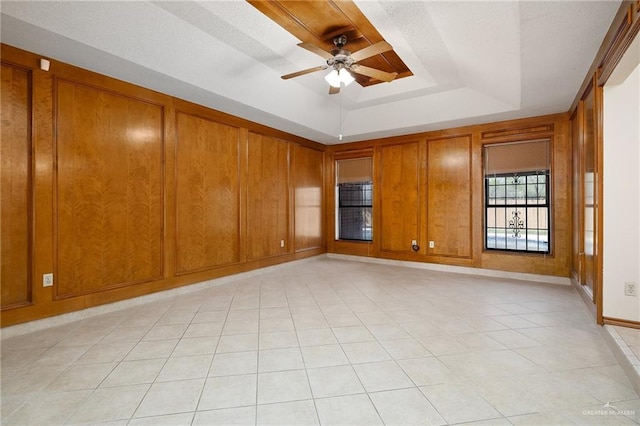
<point x="354" y="194"/>
<point x="517" y="197"/>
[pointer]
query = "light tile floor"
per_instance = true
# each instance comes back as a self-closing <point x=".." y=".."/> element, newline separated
<point x="327" y="342"/>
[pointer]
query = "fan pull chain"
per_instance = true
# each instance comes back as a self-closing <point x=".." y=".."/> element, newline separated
<point x="340" y="130"/>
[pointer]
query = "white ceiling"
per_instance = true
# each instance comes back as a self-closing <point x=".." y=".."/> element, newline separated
<point x="473" y="62"/>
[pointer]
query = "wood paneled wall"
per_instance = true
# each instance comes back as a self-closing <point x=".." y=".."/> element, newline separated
<point x="429" y="187"/>
<point x="207" y="193"/>
<point x="398" y="198"/>
<point x="109" y="189"/>
<point x="268" y="197"/>
<point x="15" y="186"/>
<point x="449" y="196"/>
<point x="120" y="191"/>
<point x="308" y="167"/>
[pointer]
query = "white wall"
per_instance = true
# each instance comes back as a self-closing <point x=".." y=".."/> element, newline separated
<point x="621" y="195"/>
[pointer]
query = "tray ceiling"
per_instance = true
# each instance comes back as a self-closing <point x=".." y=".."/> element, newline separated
<point x="472" y="62"/>
<point x="318" y="22"/>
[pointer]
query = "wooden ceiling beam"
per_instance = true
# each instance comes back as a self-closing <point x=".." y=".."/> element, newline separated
<point x="320" y="21"/>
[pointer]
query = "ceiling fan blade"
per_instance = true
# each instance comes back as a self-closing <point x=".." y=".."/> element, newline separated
<point x="333" y="90"/>
<point x="315" y="49"/>
<point x="303" y="72"/>
<point x="374" y="73"/>
<point x="374" y="49"/>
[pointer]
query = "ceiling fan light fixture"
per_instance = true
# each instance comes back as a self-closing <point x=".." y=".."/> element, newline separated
<point x="333" y="78"/>
<point x="345" y="77"/>
<point x="336" y="77"/>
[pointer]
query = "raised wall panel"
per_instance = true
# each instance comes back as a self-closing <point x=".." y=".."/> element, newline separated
<point x="109" y="186"/>
<point x="207" y="194"/>
<point x="307" y="174"/>
<point x="267" y="196"/>
<point x="449" y="196"/>
<point x="399" y="185"/>
<point x="15" y="186"/>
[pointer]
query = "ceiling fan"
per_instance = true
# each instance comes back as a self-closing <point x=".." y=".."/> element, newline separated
<point x="343" y="62"/>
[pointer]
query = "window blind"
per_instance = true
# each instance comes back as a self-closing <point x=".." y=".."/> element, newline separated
<point x="516" y="157"/>
<point x="355" y="170"/>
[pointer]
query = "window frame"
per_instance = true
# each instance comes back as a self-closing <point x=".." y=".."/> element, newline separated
<point x="548" y="205"/>
<point x="363" y="208"/>
<point x="353" y="155"/>
<point x="516" y="207"/>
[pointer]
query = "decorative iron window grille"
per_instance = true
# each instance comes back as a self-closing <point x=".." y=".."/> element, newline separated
<point x="517" y="212"/>
<point x="355" y="203"/>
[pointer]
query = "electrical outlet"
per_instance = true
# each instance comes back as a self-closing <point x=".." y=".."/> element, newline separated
<point x="630" y="289"/>
<point x="281" y="243"/>
<point x="47" y="280"/>
<point x="432" y="244"/>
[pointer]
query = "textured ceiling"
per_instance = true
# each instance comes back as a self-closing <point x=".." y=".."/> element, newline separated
<point x="473" y="62"/>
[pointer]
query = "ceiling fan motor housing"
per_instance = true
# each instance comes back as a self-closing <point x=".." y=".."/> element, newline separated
<point x="341" y="57"/>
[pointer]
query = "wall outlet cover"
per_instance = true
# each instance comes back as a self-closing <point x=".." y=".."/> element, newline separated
<point x="47" y="280"/>
<point x="630" y="289"/>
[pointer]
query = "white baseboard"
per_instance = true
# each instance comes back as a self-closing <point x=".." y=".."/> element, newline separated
<point x="625" y="356"/>
<point x="548" y="279"/>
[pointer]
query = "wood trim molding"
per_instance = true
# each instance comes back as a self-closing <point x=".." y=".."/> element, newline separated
<point x="621" y="322"/>
<point x="623" y="37"/>
<point x="346" y="155"/>
<point x="599" y="199"/>
<point x="520" y="132"/>
<point x="613" y="46"/>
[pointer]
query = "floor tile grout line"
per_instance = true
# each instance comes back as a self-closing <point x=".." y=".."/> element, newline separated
<point x="306" y="371"/>
<point x="257" y="393"/>
<point x="213" y="357"/>
<point x="335" y="337"/>
<point x="133" y="415"/>
<point x="350" y="304"/>
<point x="350" y="364"/>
